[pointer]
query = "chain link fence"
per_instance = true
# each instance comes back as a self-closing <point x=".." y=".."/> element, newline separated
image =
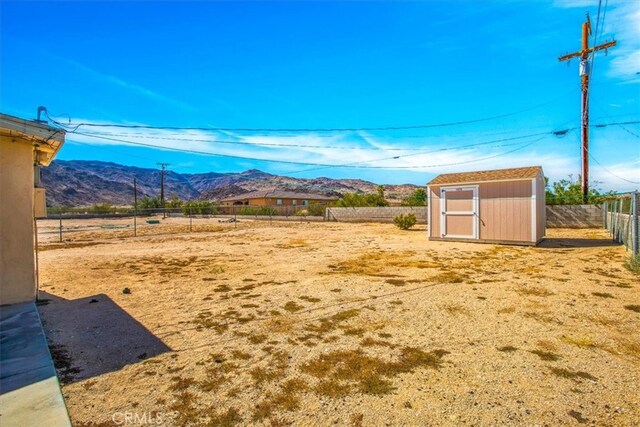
<point x="620" y="217"/>
<point x="71" y="224"/>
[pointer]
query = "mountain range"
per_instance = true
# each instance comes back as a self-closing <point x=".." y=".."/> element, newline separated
<point x="88" y="182"/>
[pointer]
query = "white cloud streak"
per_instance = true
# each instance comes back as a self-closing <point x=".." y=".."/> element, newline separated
<point x="131" y="87"/>
<point x="444" y="153"/>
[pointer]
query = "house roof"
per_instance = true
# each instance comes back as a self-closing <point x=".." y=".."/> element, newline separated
<point x="512" y="174"/>
<point x="276" y="194"/>
<point x="46" y="139"/>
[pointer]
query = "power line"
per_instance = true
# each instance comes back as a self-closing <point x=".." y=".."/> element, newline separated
<point x="278" y="145"/>
<point x="611" y="173"/>
<point x="427" y="166"/>
<point x="355" y="165"/>
<point x="76" y="126"/>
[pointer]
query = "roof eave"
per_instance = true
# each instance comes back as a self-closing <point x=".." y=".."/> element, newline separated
<point x="46" y="140"/>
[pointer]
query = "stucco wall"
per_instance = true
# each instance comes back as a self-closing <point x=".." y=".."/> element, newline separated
<point x="574" y="216"/>
<point x="375" y="214"/>
<point x="17" y="275"/>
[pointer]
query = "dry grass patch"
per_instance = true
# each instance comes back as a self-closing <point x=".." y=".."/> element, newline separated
<point x="375" y="263"/>
<point x="370" y="374"/>
<point x="584" y="342"/>
<point x="332" y="388"/>
<point x="633" y="307"/>
<point x="257" y="338"/>
<point x="274" y="371"/>
<point x="292" y="307"/>
<point x="206" y="320"/>
<point x="572" y="375"/>
<point x="240" y="355"/>
<point x="280" y="324"/>
<point x="225" y="419"/>
<point x="329" y="324"/>
<point x="602" y="294"/>
<point x="310" y="299"/>
<point x="546" y="355"/>
<point x="533" y="291"/>
<point x="449" y="277"/>
<point x="286" y="399"/>
<point x="507" y="349"/>
<point x="292" y="244"/>
<point x="370" y="342"/>
<point x="455" y="309"/>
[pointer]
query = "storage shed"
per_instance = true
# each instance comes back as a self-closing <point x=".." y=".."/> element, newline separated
<point x="493" y="206"/>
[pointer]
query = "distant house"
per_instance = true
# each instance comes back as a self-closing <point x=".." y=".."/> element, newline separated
<point x="277" y="198"/>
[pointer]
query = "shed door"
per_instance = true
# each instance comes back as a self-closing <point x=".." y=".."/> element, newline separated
<point x="459" y="212"/>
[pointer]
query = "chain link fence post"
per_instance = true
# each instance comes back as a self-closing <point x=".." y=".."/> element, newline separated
<point x="190" y="221"/>
<point x="60" y="226"/>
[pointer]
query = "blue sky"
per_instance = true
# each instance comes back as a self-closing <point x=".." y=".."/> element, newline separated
<point x="328" y="65"/>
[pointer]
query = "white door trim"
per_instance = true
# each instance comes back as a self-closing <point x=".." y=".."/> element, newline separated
<point x="444" y="213"/>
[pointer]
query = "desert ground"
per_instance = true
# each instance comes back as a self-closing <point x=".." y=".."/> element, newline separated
<point x="296" y="323"/>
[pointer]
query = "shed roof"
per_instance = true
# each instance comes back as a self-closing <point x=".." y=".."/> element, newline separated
<point x="512" y="174"/>
<point x="277" y="194"/>
<point x="46" y="139"/>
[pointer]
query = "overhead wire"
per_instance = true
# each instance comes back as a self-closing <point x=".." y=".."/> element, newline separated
<point x="355" y="165"/>
<point x="76" y="126"/>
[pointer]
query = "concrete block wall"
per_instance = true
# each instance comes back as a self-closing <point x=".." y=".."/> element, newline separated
<point x="375" y="214"/>
<point x="575" y="216"/>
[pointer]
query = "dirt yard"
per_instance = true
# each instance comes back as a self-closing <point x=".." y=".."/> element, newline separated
<point x="339" y="324"/>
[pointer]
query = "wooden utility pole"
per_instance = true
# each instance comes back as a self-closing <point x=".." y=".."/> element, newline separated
<point x="584" y="74"/>
<point x="163" y="166"/>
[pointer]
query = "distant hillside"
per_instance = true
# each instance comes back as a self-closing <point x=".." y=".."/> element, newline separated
<point x="87" y="182"/>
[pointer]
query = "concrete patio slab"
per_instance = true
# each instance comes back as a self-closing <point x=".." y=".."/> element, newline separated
<point x="29" y="388"/>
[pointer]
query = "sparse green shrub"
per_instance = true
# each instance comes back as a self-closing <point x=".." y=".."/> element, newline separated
<point x="315" y="209"/>
<point x="174" y="202"/>
<point x="405" y="222"/>
<point x="349" y="200"/>
<point x="262" y="211"/>
<point x="417" y="198"/>
<point x="102" y="208"/>
<point x="633" y="264"/>
<point x="150" y="203"/>
<point x="200" y="208"/>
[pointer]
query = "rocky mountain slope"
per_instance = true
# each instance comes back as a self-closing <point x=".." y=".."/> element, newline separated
<point x="84" y="183"/>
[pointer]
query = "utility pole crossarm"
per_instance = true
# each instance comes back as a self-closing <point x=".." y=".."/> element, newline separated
<point x="603" y="46"/>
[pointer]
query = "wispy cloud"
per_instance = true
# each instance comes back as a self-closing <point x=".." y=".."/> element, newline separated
<point x="131" y="87"/>
<point x="352" y="150"/>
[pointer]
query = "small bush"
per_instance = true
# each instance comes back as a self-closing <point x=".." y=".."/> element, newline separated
<point x="103" y="208"/>
<point x="405" y="222"/>
<point x="315" y="209"/>
<point x="633" y="264"/>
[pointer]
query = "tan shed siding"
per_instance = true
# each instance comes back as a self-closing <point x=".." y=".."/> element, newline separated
<point x="434" y="218"/>
<point x="541" y="210"/>
<point x="505" y="210"/>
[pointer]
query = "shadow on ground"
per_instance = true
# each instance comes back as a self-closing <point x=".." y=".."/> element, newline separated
<point x="576" y="243"/>
<point x="91" y="336"/>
